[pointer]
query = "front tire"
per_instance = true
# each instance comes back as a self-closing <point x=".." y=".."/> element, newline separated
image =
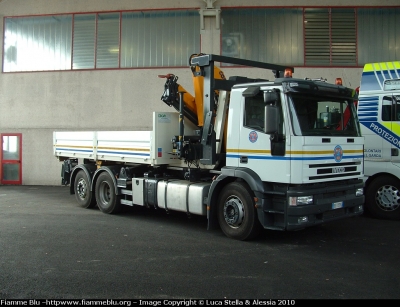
<point x="383" y="198"/>
<point x="107" y="200"/>
<point x="83" y="195"/>
<point x="237" y="215"/>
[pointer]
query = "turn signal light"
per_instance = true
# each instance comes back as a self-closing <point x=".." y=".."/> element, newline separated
<point x="288" y="73"/>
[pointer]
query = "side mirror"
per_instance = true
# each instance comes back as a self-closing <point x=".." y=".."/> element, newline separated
<point x="270" y="97"/>
<point x="271" y="119"/>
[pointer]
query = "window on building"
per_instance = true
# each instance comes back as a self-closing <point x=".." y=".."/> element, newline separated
<point x="84" y="41"/>
<point x="107" y="47"/>
<point x="312" y="36"/>
<point x="37" y="43"/>
<point x="330" y="37"/>
<point x="93" y="41"/>
<point x="265" y="35"/>
<point x="159" y="38"/>
<point x="378" y="34"/>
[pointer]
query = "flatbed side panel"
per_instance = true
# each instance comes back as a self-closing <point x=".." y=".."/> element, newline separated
<point x="124" y="146"/>
<point x="145" y="147"/>
<point x="74" y="144"/>
<point x="121" y="146"/>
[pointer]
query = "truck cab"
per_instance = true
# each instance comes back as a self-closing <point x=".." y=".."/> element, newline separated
<point x="301" y="144"/>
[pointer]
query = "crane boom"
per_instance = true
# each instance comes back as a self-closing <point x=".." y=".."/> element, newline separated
<point x="193" y="108"/>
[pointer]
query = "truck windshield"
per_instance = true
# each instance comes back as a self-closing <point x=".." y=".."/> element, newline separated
<point x="315" y="115"/>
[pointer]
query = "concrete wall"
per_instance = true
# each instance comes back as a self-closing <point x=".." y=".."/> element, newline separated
<point x="37" y="103"/>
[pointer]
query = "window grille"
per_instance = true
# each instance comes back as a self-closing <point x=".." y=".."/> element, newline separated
<point x="330" y="37"/>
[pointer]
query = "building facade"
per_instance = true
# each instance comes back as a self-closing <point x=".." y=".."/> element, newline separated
<point x="94" y="64"/>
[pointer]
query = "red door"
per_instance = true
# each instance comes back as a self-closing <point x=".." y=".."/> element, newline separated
<point x="10" y="158"/>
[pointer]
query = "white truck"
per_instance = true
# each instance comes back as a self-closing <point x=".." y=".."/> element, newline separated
<point x="250" y="154"/>
<point x="379" y="115"/>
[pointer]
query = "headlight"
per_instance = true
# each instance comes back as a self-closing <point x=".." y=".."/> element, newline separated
<point x="360" y="192"/>
<point x="301" y="200"/>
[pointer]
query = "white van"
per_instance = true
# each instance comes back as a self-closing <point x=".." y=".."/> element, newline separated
<point x="379" y="116"/>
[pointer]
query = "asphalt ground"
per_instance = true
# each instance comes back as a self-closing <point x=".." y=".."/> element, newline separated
<point x="52" y="248"/>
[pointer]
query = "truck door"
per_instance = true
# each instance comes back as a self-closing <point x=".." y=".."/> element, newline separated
<point x="255" y="150"/>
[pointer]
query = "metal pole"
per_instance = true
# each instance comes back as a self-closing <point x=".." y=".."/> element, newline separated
<point x="181" y="124"/>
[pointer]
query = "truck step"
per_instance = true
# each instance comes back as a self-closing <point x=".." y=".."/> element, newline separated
<point x="126" y="192"/>
<point x="126" y="202"/>
<point x="273" y="211"/>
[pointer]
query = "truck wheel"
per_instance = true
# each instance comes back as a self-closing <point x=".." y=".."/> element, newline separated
<point x="237" y="214"/>
<point x="82" y="191"/>
<point x="107" y="200"/>
<point x="383" y="198"/>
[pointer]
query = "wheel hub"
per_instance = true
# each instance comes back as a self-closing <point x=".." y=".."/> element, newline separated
<point x="388" y="198"/>
<point x="105" y="193"/>
<point x="234" y="212"/>
<point x="81" y="188"/>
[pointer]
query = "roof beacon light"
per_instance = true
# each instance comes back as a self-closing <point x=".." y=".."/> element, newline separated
<point x="288" y="73"/>
<point x="338" y="81"/>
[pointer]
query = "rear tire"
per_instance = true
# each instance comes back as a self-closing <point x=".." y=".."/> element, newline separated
<point x="383" y="198"/>
<point x="107" y="200"/>
<point x="83" y="195"/>
<point x="237" y="215"/>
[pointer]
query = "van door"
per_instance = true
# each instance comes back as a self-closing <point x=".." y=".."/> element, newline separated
<point x="396" y="127"/>
<point x="10" y="158"/>
<point x="394" y="101"/>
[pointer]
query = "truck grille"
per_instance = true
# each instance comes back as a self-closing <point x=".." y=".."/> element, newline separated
<point x="335" y="170"/>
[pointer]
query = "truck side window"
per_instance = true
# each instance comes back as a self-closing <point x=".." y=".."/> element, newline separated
<point x="254" y="112"/>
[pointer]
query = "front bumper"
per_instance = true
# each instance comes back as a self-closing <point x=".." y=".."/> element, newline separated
<point x="331" y="202"/>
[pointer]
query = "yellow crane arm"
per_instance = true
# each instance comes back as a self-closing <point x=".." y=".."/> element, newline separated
<point x="193" y="105"/>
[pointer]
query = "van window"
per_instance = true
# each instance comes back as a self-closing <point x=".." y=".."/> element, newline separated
<point x="391" y="108"/>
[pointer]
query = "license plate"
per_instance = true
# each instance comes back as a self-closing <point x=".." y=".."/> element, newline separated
<point x="337" y="205"/>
